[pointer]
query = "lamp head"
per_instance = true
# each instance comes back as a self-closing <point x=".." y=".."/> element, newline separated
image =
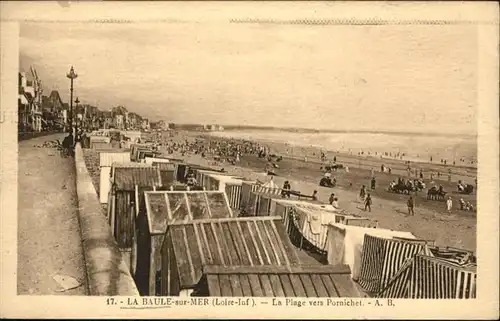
<point x="72" y="74"/>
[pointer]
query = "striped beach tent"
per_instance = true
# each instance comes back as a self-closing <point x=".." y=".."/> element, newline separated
<point x="383" y="258"/>
<point x="344" y="244"/>
<point x="428" y="277"/>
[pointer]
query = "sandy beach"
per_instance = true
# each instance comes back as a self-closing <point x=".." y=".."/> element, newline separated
<point x="431" y="220"/>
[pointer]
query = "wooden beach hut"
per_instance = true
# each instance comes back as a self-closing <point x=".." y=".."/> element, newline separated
<point x="106" y="160"/>
<point x="184" y="169"/>
<point x="167" y="171"/>
<point x="128" y="182"/>
<point x="259" y="203"/>
<point x="139" y="152"/>
<point x="277" y="281"/>
<point x="428" y="277"/>
<point x="205" y="177"/>
<point x="160" y="209"/>
<point x="345" y="244"/>
<point x="188" y="246"/>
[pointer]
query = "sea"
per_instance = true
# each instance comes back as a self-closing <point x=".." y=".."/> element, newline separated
<point x="419" y="147"/>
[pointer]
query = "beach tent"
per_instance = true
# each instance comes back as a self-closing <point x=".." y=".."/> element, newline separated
<point x="188" y="246"/>
<point x="101" y="145"/>
<point x="383" y="257"/>
<point x="160" y="209"/>
<point x="344" y="244"/>
<point x="106" y="160"/>
<point x="428" y="277"/>
<point x="277" y="281"/>
<point x="99" y="141"/>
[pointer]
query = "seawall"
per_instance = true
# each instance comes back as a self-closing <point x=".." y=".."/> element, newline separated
<point x="107" y="272"/>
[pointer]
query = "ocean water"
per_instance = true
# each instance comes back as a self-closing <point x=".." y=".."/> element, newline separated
<point x="418" y="147"/>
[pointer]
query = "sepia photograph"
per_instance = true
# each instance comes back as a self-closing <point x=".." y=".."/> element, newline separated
<point x="233" y="155"/>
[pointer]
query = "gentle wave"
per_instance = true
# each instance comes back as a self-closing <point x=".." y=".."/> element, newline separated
<point x="415" y="147"/>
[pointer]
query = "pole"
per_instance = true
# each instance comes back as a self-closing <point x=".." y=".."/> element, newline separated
<point x="76" y="120"/>
<point x="71" y="108"/>
<point x="71" y="75"/>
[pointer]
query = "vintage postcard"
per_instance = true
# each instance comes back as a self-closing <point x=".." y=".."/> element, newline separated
<point x="249" y="159"/>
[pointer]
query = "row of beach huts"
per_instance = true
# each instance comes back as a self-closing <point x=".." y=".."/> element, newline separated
<point x="230" y="236"/>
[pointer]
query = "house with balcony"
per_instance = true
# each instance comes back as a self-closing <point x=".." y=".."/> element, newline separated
<point x="29" y="103"/>
<point x="145" y="125"/>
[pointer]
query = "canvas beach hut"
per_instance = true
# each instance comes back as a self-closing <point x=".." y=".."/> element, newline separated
<point x="106" y="160"/>
<point x="383" y="257"/>
<point x="127" y="184"/>
<point x="428" y="277"/>
<point x="99" y="141"/>
<point x="277" y="281"/>
<point x="156" y="213"/>
<point x="345" y="244"/>
<point x="188" y="246"/>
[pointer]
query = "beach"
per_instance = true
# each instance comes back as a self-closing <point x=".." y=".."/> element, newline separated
<point x="431" y="220"/>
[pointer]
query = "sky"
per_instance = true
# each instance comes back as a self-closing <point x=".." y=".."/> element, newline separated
<point x="369" y="77"/>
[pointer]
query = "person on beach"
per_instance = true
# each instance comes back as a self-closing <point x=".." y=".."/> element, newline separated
<point x="335" y="203"/>
<point x="346" y="168"/>
<point x="410" y="206"/>
<point x="449" y="205"/>
<point x="286" y="189"/>
<point x="373" y="183"/>
<point x="362" y="192"/>
<point x="68" y="145"/>
<point x="332" y="198"/>
<point x="368" y="203"/>
<point x="315" y="195"/>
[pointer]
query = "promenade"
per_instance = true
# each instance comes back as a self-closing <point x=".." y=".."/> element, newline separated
<point x="49" y="241"/>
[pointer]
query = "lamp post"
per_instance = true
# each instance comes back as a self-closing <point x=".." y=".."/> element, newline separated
<point x="71" y="75"/>
<point x="76" y="120"/>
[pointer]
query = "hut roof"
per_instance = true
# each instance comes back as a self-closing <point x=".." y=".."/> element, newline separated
<point x="174" y="206"/>
<point x="256" y="241"/>
<point x="164" y="166"/>
<point x="279" y="281"/>
<point x="226" y="178"/>
<point x="108" y="158"/>
<point x="101" y="145"/>
<point x="125" y="178"/>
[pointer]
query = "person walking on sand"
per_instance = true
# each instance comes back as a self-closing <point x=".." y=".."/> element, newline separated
<point x="362" y="193"/>
<point x="315" y="195"/>
<point x="449" y="205"/>
<point x="368" y="203"/>
<point x="410" y="206"/>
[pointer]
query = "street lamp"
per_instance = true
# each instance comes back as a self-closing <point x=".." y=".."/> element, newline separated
<point x="76" y="120"/>
<point x="71" y="75"/>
